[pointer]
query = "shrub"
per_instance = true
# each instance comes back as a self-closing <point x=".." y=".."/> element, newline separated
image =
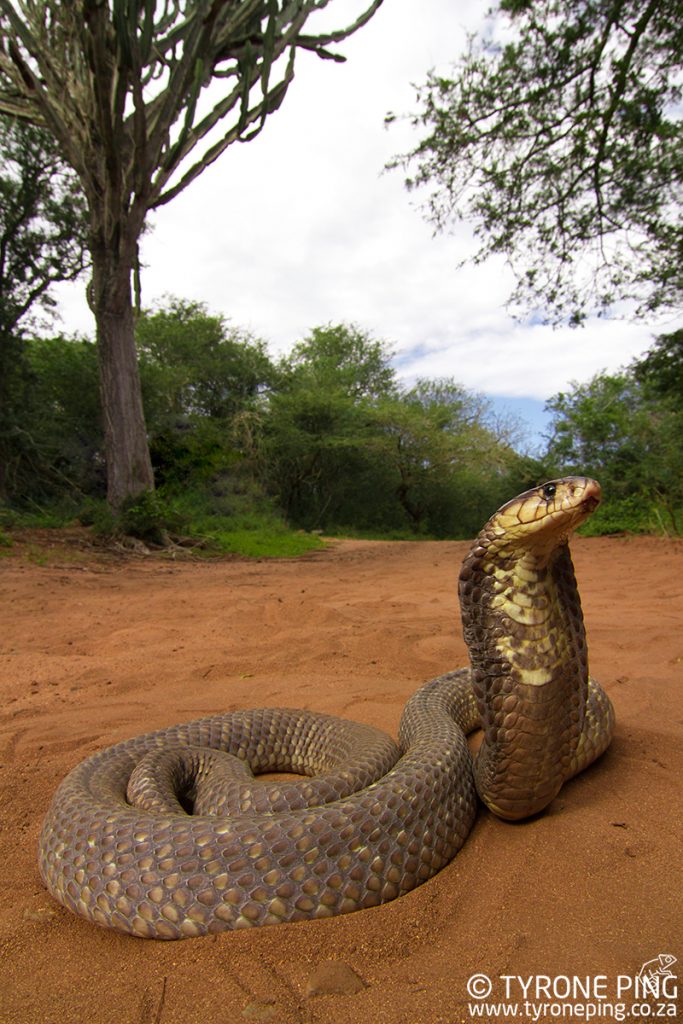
<point x="149" y="517"/>
<point x="632" y="514"/>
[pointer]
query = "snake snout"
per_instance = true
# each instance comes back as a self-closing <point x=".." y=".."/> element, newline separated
<point x="580" y="495"/>
<point x="592" y="496"/>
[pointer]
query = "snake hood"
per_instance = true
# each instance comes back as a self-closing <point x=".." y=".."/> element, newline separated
<point x="523" y="626"/>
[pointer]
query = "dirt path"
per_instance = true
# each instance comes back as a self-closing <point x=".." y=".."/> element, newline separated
<point x="91" y="654"/>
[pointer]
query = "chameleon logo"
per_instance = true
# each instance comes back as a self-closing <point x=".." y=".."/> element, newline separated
<point x="659" y="967"/>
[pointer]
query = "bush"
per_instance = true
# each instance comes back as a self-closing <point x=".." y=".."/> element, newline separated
<point x="150" y="517"/>
<point x="621" y="515"/>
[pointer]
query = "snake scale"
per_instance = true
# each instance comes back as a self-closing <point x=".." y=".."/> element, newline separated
<point x="169" y="835"/>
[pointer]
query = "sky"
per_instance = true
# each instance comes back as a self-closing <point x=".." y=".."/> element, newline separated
<point x="303" y="226"/>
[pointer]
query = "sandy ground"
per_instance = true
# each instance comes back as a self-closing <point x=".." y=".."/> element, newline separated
<point x="93" y="652"/>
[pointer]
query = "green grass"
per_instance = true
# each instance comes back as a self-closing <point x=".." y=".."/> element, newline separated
<point x="235" y="523"/>
<point x="48" y="518"/>
<point x="235" y="526"/>
<point x="261" y="543"/>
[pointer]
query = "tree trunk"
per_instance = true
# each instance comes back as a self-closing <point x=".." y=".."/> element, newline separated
<point x="414" y="512"/>
<point x="129" y="467"/>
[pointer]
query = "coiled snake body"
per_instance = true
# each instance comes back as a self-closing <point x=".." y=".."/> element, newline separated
<point x="169" y="836"/>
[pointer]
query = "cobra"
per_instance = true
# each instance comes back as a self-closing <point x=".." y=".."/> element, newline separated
<point x="170" y="835"/>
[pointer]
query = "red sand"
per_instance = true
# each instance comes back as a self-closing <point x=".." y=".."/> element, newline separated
<point x="94" y="652"/>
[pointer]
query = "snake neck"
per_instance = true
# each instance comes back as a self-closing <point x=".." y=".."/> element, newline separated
<point x="523" y="626"/>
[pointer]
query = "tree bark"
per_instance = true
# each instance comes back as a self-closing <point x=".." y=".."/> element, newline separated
<point x="129" y="467"/>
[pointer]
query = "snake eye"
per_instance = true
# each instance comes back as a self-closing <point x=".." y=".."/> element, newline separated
<point x="549" y="490"/>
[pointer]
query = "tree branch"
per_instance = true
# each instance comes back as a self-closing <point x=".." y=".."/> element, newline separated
<point x="270" y="103"/>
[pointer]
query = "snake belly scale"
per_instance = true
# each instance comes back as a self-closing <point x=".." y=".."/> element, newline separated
<point x="168" y="835"/>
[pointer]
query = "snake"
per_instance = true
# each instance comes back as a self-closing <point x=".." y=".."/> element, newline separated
<point x="172" y="834"/>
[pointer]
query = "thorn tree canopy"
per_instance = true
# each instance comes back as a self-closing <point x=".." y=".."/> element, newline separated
<point x="563" y="144"/>
<point x="121" y="86"/>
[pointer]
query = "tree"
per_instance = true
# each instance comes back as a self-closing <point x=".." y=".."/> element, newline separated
<point x="313" y="453"/>
<point x="42" y="241"/>
<point x="563" y="144"/>
<point x="199" y="376"/>
<point x="433" y="436"/>
<point x="661" y="369"/>
<point x="617" y="429"/>
<point x="314" y="448"/>
<point x="123" y="89"/>
<point x="598" y="426"/>
<point x="195" y="365"/>
<point x="54" y="450"/>
<point x="343" y="445"/>
<point x="660" y="375"/>
<point x="42" y="221"/>
<point x="346" y="358"/>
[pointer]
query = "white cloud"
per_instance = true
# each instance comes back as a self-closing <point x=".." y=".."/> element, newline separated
<point x="300" y="227"/>
<point x="536" y="361"/>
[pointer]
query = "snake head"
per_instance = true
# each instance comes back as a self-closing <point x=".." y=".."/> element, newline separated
<point x="543" y="518"/>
